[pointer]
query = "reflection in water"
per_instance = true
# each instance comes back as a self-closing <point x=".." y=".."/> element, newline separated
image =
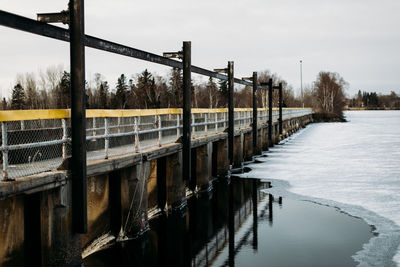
<point x="231" y="227"/>
<point x="255" y="216"/>
<point x="271" y="200"/>
<point x="201" y="235"/>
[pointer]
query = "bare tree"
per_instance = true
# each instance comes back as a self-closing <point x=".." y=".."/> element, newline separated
<point x="329" y="93"/>
<point x="212" y="91"/>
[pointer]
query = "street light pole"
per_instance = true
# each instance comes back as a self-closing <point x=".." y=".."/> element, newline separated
<point x="301" y="82"/>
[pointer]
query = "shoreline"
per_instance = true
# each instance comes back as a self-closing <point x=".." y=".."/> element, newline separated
<point x="379" y="250"/>
<point x="367" y="109"/>
<point x="286" y="232"/>
<point x="382" y="249"/>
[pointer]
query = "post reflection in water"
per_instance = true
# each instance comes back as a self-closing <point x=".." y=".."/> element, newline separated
<point x="231" y="227"/>
<point x="255" y="215"/>
<point x="271" y="200"/>
<point x="210" y="231"/>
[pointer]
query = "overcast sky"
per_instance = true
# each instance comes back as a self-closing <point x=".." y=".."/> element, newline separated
<point x="359" y="39"/>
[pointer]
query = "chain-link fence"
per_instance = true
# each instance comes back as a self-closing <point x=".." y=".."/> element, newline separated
<point x="31" y="146"/>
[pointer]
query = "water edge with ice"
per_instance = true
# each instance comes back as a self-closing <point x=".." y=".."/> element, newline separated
<point x="354" y="166"/>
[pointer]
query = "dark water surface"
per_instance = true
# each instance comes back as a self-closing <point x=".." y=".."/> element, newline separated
<point x="240" y="224"/>
<point x="354" y="166"/>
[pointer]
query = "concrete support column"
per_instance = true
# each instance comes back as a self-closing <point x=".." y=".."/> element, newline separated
<point x="134" y="201"/>
<point x="204" y="166"/>
<point x="222" y="160"/>
<point x="59" y="245"/>
<point x="149" y="169"/>
<point x="264" y="138"/>
<point x="12" y="231"/>
<point x="98" y="207"/>
<point x="276" y="133"/>
<point x="247" y="146"/>
<point x="258" y="149"/>
<point x="175" y="186"/>
<point x="238" y="150"/>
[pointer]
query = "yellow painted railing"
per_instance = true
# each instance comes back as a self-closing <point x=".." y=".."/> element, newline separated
<point x="48" y="114"/>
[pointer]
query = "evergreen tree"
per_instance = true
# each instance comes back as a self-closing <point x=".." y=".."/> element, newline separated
<point x="176" y="87"/>
<point x="103" y="94"/>
<point x="223" y="91"/>
<point x="370" y="99"/>
<point x="64" y="91"/>
<point x="121" y="93"/>
<point x="146" y="90"/>
<point x="18" y="97"/>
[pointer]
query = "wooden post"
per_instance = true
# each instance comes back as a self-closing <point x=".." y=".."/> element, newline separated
<point x="187" y="104"/>
<point x="270" y="112"/>
<point x="78" y="116"/>
<point x="280" y="109"/>
<point x="231" y="117"/>
<point x="255" y="84"/>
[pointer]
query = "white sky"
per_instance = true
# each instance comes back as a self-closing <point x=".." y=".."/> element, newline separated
<point x="359" y="39"/>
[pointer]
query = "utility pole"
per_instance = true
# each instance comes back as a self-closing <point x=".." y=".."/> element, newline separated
<point x="187" y="107"/>
<point x="301" y="82"/>
<point x="254" y="98"/>
<point x="231" y="115"/>
<point x="78" y="116"/>
<point x="185" y="55"/>
<point x="280" y="108"/>
<point x="231" y="128"/>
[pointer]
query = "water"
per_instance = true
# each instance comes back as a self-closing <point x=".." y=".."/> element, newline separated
<point x="354" y="166"/>
<point x="240" y="224"/>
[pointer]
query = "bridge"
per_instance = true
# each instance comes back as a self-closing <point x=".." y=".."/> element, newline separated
<point x="134" y="170"/>
<point x="36" y="141"/>
<point x="75" y="180"/>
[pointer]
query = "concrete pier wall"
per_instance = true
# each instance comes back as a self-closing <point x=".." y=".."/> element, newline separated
<point x="122" y="195"/>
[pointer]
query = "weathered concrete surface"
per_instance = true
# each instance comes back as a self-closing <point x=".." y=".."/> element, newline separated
<point x="264" y="139"/>
<point x="238" y="150"/>
<point x="152" y="189"/>
<point x="222" y="157"/>
<point x="98" y="207"/>
<point x="133" y="199"/>
<point x="204" y="166"/>
<point x="12" y="231"/>
<point x="175" y="186"/>
<point x="33" y="183"/>
<point x="55" y="244"/>
<point x="257" y="150"/>
<point x="248" y="146"/>
<point x="59" y="245"/>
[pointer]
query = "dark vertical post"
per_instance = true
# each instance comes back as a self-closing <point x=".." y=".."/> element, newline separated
<point x="187" y="104"/>
<point x="78" y="116"/>
<point x="231" y="122"/>
<point x="270" y="206"/>
<point x="231" y="226"/>
<point x="255" y="215"/>
<point x="32" y="230"/>
<point x="280" y="108"/>
<point x="255" y="84"/>
<point x="270" y="112"/>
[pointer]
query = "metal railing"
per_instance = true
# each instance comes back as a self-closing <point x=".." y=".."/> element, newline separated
<point x="34" y="141"/>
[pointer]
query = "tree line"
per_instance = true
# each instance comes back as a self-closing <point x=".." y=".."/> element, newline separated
<point x="141" y="91"/>
<point x="51" y="90"/>
<point x="372" y="100"/>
